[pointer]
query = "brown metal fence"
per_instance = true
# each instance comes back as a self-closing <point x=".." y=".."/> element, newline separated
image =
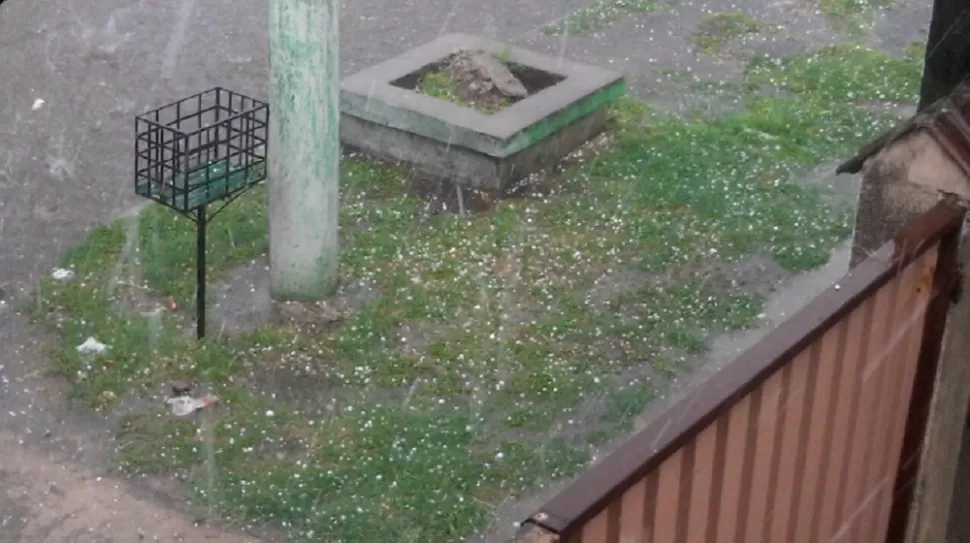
<point x="811" y="435"/>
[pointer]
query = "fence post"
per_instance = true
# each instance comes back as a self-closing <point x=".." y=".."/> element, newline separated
<point x="935" y="482"/>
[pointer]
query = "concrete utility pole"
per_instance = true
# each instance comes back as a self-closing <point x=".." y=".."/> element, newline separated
<point x="304" y="147"/>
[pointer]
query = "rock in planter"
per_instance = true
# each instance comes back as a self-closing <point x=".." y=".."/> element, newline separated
<point x="493" y="70"/>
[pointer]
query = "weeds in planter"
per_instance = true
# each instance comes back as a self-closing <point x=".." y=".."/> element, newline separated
<point x="468" y="89"/>
<point x="440" y="85"/>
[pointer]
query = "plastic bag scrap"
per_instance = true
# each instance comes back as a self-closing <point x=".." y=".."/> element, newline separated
<point x="91" y="346"/>
<point x="62" y="274"/>
<point x="181" y="406"/>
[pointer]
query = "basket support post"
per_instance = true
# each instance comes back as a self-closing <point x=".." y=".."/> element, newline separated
<point x="201" y="224"/>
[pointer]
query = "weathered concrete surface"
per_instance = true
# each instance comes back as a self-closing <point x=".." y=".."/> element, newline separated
<point x="900" y="183"/>
<point x="458" y="143"/>
<point x="304" y="149"/>
<point x="464" y="166"/>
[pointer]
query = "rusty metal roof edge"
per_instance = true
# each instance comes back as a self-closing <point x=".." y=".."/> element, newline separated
<point x="586" y="496"/>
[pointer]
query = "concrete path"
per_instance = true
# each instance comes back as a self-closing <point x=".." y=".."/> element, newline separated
<point x="74" y="73"/>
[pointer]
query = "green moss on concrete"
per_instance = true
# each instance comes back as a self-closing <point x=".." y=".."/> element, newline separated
<point x="552" y="124"/>
<point x="440" y="130"/>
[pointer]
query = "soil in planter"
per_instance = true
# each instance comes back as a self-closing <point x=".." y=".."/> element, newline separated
<point x="464" y="78"/>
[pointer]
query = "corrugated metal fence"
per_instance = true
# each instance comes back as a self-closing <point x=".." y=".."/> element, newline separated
<point x="811" y="435"/>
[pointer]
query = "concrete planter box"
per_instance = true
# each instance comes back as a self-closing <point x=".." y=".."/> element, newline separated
<point x="381" y="116"/>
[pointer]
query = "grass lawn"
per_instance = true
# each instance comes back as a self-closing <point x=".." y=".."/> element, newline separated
<point x="852" y="18"/>
<point x="716" y="30"/>
<point x="598" y="16"/>
<point x="498" y="350"/>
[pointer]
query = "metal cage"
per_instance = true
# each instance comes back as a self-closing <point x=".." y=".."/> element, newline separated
<point x="200" y="149"/>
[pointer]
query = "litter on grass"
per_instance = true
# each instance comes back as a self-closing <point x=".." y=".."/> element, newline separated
<point x="91" y="346"/>
<point x="181" y="406"/>
<point x="62" y="274"/>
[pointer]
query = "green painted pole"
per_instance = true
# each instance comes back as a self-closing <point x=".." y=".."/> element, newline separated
<point x="304" y="153"/>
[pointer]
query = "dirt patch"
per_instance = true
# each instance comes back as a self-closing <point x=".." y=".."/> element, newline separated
<point x="417" y="337"/>
<point x="44" y="501"/>
<point x="312" y="393"/>
<point x="315" y="315"/>
<point x="542" y="184"/>
<point x="758" y="275"/>
<point x="753" y="275"/>
<point x="243" y="303"/>
<point x="294" y="385"/>
<point x="444" y="197"/>
<point x="610" y="285"/>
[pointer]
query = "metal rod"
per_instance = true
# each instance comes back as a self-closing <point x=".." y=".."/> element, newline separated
<point x="200" y="274"/>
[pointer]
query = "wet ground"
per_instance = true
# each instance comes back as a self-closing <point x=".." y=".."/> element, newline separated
<point x="74" y="75"/>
